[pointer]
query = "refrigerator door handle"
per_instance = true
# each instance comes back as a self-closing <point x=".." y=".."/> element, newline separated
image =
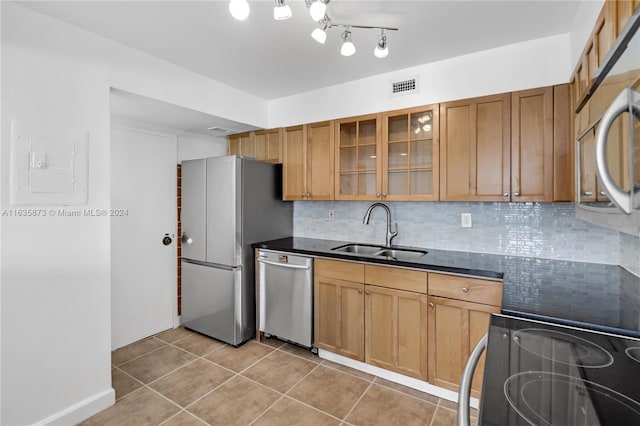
<point x="284" y="265"/>
<point x="212" y="265"/>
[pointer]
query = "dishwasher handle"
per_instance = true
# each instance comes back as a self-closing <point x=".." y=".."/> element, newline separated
<point x="465" y="382"/>
<point x="284" y="265"/>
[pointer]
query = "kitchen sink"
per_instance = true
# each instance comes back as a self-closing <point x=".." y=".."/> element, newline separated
<point x="371" y="250"/>
<point x="358" y="249"/>
<point x="402" y="253"/>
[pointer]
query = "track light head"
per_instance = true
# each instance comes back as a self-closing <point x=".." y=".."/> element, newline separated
<point x="381" y="50"/>
<point x="281" y="11"/>
<point x="317" y="10"/>
<point x="348" y="48"/>
<point x="239" y="9"/>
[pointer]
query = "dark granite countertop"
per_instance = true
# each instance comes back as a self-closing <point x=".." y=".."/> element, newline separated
<point x="589" y="295"/>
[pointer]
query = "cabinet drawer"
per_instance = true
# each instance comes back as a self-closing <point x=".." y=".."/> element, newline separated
<point x="464" y="288"/>
<point x="347" y="271"/>
<point x="398" y="278"/>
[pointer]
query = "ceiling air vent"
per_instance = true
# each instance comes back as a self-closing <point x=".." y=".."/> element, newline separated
<point x="404" y="87"/>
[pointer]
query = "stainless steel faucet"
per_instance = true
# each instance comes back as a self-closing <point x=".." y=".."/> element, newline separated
<point x="390" y="234"/>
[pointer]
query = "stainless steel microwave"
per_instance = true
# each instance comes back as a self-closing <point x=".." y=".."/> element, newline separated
<point x="608" y="147"/>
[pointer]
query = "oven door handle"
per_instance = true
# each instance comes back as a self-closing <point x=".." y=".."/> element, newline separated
<point x="465" y="382"/>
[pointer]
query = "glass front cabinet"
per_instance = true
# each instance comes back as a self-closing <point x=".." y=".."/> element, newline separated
<point x="358" y="158"/>
<point x="410" y="154"/>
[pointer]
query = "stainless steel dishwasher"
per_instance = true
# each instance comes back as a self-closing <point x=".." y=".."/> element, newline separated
<point x="286" y="296"/>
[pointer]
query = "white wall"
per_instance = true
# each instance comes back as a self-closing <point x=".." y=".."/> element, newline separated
<point x="55" y="295"/>
<point x="535" y="63"/>
<point x="583" y="24"/>
<point x="55" y="274"/>
<point x="192" y="146"/>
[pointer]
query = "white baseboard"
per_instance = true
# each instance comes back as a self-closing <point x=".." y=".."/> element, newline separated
<point x="395" y="377"/>
<point x="82" y="410"/>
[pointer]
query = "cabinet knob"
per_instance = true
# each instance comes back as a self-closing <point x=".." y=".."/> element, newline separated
<point x="378" y="195"/>
<point x="384" y="195"/>
<point x="587" y="193"/>
<point x="366" y="292"/>
<point x="464" y="289"/>
<point x="431" y="305"/>
<point x="516" y="194"/>
<point x="304" y="195"/>
<point x="603" y="193"/>
<point x="359" y="291"/>
<point x="506" y="194"/>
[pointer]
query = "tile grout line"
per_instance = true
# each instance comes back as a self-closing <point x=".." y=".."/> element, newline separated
<point x="284" y="394"/>
<point x="144" y="354"/>
<point x="411" y="396"/>
<point x="357" y="402"/>
<point x="235" y="374"/>
<point x="346" y="372"/>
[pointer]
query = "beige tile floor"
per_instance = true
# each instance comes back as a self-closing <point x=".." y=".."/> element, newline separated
<point x="183" y="378"/>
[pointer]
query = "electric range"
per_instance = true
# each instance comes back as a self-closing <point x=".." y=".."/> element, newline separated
<point x="540" y="373"/>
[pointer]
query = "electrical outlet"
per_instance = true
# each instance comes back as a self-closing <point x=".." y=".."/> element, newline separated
<point x="332" y="214"/>
<point x="466" y="220"/>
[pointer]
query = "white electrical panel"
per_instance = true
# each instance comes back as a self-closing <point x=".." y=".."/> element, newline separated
<point x="49" y="166"/>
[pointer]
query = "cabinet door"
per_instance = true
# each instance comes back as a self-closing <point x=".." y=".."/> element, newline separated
<point x="475" y="149"/>
<point x="454" y="329"/>
<point x="294" y="163"/>
<point x="563" y="160"/>
<point x="358" y="158"/>
<point x="320" y="160"/>
<point x="268" y="145"/>
<point x="396" y="330"/>
<point x="532" y="145"/>
<point x="233" y="145"/>
<point x="410" y="166"/>
<point x="247" y="144"/>
<point x="339" y="317"/>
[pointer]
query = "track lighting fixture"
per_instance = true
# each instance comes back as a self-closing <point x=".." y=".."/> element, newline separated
<point x="381" y="50"/>
<point x="348" y="48"/>
<point x="239" y="9"/>
<point x="318" y="9"/>
<point x="281" y="11"/>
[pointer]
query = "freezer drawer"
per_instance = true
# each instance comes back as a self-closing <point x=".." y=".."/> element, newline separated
<point x="286" y="296"/>
<point x="211" y="301"/>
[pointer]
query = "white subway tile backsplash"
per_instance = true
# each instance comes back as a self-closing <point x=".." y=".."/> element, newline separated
<point x="630" y="253"/>
<point x="545" y="230"/>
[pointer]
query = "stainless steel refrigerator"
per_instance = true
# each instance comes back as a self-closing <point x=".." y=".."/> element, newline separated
<point x="228" y="203"/>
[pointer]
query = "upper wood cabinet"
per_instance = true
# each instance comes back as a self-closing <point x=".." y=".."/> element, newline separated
<point x="532" y="145"/>
<point x="243" y="144"/>
<point x="475" y="149"/>
<point x="410" y="166"/>
<point x="510" y="147"/>
<point x="308" y="154"/>
<point x="358" y="159"/>
<point x="610" y="22"/>
<point x="263" y="145"/>
<point x="269" y="145"/>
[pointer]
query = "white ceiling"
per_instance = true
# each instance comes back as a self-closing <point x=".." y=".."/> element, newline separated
<point x="272" y="59"/>
<point x="130" y="108"/>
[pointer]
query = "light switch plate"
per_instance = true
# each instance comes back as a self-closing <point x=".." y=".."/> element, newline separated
<point x="466" y="220"/>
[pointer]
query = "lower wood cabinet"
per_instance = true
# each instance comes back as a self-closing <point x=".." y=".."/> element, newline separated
<point x="459" y="311"/>
<point x="396" y="330"/>
<point x="383" y="316"/>
<point x="339" y="307"/>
